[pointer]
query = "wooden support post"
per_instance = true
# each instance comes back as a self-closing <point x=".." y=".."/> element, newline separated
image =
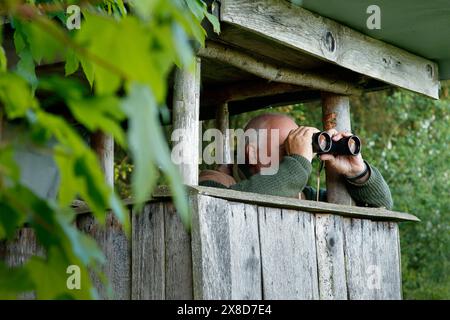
<point x="186" y="111"/>
<point x="103" y="146"/>
<point x="336" y="114"/>
<point x="223" y="124"/>
<point x="329" y="228"/>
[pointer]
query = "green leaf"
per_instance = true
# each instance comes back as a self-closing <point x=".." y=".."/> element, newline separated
<point x="15" y="95"/>
<point x="44" y="38"/>
<point x="3" y="60"/>
<point x="14" y="281"/>
<point x="26" y="68"/>
<point x="214" y="21"/>
<point x="100" y="113"/>
<point x="72" y="63"/>
<point x="10" y="220"/>
<point x="50" y="277"/>
<point x="148" y="146"/>
<point x="8" y="165"/>
<point x="79" y="169"/>
<point x="122" y="51"/>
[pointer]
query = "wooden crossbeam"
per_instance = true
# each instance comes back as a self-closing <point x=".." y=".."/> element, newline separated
<point x="265" y="70"/>
<point x="282" y="22"/>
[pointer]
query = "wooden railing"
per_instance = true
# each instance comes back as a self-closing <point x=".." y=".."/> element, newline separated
<point x="244" y="246"/>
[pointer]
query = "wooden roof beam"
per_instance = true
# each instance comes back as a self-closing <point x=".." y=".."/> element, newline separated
<point x="282" y="22"/>
<point x="265" y="70"/>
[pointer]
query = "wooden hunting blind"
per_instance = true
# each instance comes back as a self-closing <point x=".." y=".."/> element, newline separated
<point x="250" y="246"/>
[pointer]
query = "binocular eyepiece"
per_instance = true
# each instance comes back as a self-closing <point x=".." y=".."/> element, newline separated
<point x="348" y="146"/>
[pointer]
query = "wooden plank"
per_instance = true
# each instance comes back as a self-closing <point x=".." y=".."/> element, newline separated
<point x="330" y="257"/>
<point x="245" y="252"/>
<point x="273" y="72"/>
<point x="178" y="255"/>
<point x="116" y="247"/>
<point x="306" y="205"/>
<point x="388" y="244"/>
<point x="288" y="254"/>
<point x="282" y="202"/>
<point x="211" y="257"/>
<point x="372" y="260"/>
<point x="160" y="193"/>
<point x="244" y="90"/>
<point x="148" y="254"/>
<point x="186" y="110"/>
<point x="297" y="28"/>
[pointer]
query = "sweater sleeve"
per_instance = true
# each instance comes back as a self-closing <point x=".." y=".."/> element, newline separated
<point x="289" y="181"/>
<point x="373" y="193"/>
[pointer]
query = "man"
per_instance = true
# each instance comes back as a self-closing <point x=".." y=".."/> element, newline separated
<point x="363" y="181"/>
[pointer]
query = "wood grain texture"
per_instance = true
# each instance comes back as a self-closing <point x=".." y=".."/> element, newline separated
<point x="329" y="238"/>
<point x="297" y="28"/>
<point x="288" y="254"/>
<point x="163" y="193"/>
<point x="211" y="249"/>
<point x="273" y="72"/>
<point x="372" y="260"/>
<point x="186" y="110"/>
<point x="116" y="247"/>
<point x="178" y="256"/>
<point x="305" y="205"/>
<point x="246" y="282"/>
<point x="148" y="253"/>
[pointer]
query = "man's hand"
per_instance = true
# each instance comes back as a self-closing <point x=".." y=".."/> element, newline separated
<point x="299" y="141"/>
<point x="349" y="166"/>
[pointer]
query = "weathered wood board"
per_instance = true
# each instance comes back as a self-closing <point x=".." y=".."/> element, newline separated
<point x="148" y="270"/>
<point x="372" y="260"/>
<point x="116" y="247"/>
<point x="282" y="22"/>
<point x="246" y="251"/>
<point x="240" y="250"/>
<point x="161" y="255"/>
<point x="178" y="256"/>
<point x="329" y="239"/>
<point x="288" y="254"/>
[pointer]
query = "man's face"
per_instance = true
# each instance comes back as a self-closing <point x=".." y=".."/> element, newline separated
<point x="284" y="126"/>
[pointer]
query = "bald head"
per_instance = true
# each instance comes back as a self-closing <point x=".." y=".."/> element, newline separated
<point x="283" y="124"/>
<point x="271" y="121"/>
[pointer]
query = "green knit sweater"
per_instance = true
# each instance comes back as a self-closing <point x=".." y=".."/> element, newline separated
<point x="291" y="179"/>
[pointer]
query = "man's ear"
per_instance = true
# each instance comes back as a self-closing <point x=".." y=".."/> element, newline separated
<point x="251" y="154"/>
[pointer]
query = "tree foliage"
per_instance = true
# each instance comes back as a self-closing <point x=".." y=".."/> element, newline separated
<point x="116" y="67"/>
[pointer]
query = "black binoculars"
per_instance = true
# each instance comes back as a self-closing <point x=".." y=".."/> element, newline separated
<point x="347" y="146"/>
